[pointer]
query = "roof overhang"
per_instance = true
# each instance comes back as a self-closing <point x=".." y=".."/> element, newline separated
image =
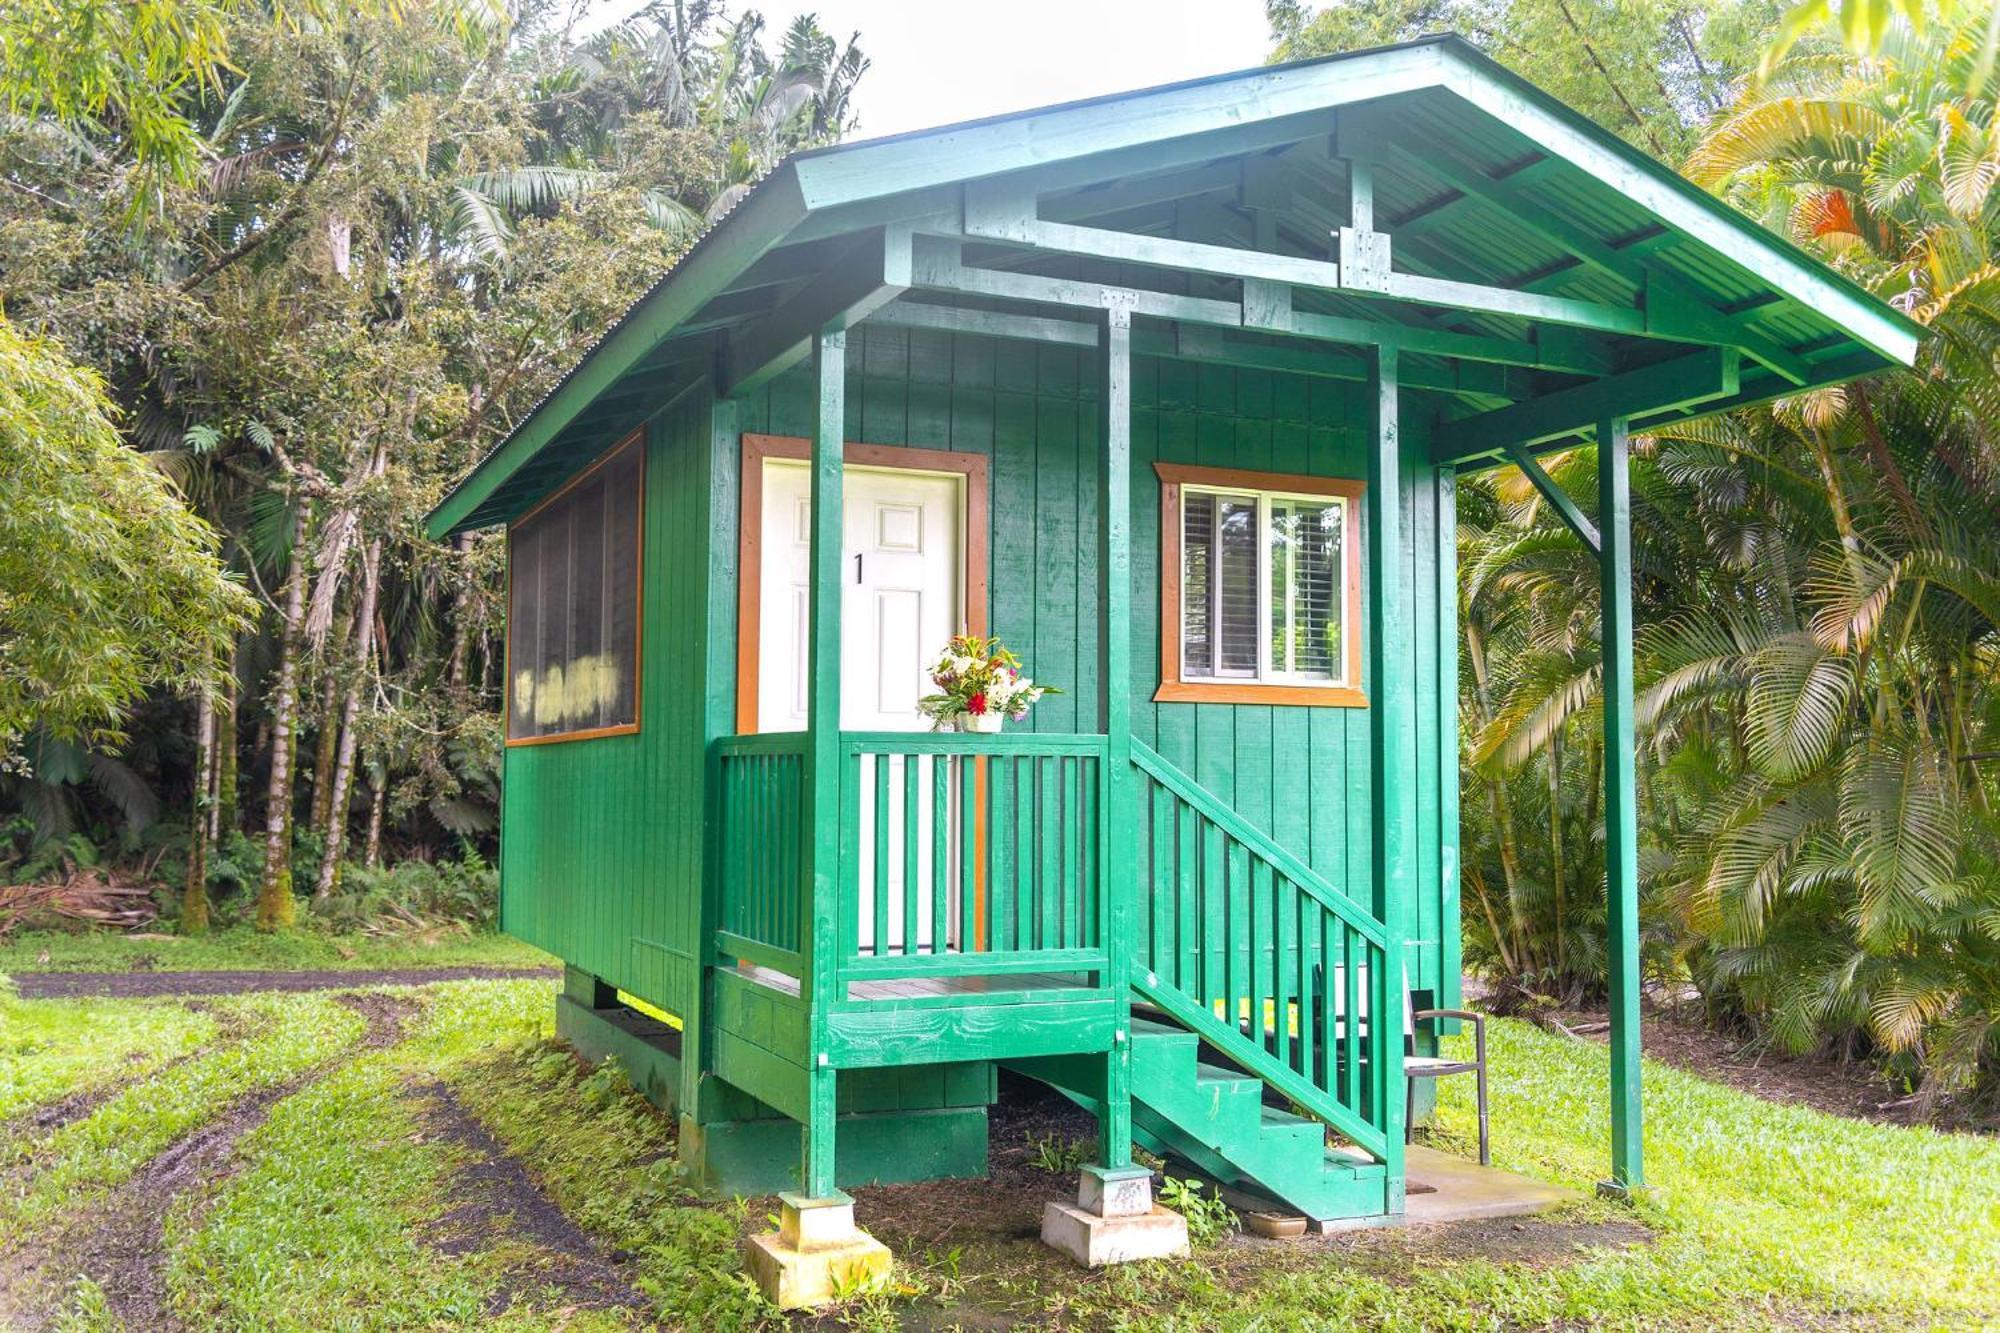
<point x="1635" y="277"/>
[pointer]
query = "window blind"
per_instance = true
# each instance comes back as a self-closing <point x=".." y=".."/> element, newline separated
<point x="573" y="606"/>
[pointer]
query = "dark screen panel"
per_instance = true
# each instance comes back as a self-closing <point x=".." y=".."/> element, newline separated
<point x="573" y="612"/>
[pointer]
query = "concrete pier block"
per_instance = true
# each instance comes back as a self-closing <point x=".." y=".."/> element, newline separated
<point x="816" y="1255"/>
<point x="1114" y="1220"/>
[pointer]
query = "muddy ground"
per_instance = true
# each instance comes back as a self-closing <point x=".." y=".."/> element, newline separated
<point x="148" y="985"/>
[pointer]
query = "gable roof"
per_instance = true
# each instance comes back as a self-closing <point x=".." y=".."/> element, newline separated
<point x="1480" y="175"/>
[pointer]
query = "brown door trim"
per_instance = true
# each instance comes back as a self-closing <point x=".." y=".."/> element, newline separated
<point x="750" y="540"/>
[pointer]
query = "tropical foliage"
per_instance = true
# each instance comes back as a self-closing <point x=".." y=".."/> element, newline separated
<point x="320" y="256"/>
<point x="1819" y="594"/>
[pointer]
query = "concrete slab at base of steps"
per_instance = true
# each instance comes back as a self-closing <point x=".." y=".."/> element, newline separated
<point x="1442" y="1189"/>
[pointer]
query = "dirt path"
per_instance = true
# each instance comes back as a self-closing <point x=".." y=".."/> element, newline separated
<point x="119" y="1242"/>
<point x="145" y="985"/>
<point x="494" y="1200"/>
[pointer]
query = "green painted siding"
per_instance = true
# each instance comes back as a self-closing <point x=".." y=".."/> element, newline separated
<point x="1298" y="774"/>
<point x="601" y="855"/>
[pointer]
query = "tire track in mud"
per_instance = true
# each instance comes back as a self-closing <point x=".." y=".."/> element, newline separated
<point x="20" y="1135"/>
<point x="492" y="1198"/>
<point x="119" y="1240"/>
<point x="146" y="985"/>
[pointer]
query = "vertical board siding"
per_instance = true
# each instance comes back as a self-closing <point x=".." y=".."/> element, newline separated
<point x="1299" y="775"/>
<point x="601" y="852"/>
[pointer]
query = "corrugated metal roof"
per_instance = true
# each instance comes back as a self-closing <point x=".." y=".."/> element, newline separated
<point x="1442" y="101"/>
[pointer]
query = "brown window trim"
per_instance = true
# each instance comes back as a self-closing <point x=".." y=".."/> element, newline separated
<point x="1172" y="688"/>
<point x="750" y="539"/>
<point x="638" y="438"/>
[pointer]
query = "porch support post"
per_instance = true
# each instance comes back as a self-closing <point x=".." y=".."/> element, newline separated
<point x="829" y="361"/>
<point x="1621" y="822"/>
<point x="1391" y="732"/>
<point x="1117" y="811"/>
<point x="1114" y="1219"/>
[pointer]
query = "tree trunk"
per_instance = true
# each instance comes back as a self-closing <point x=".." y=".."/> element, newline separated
<point x="1500" y="807"/>
<point x="223" y="817"/>
<point x="343" y="767"/>
<point x="325" y="744"/>
<point x="1556" y="854"/>
<point x="378" y="797"/>
<point x="276" y="908"/>
<point x="462" y="618"/>
<point x="194" y="896"/>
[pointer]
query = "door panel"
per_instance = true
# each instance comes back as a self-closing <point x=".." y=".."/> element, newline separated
<point x="902" y="576"/>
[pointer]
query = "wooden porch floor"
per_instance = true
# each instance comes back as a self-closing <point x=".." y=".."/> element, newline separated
<point x="936" y="987"/>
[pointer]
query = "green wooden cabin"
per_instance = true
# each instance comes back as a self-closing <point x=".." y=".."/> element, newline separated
<point x="1169" y="390"/>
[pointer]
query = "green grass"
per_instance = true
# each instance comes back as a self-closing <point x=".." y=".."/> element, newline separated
<point x="49" y="1050"/>
<point x="1765" y="1215"/>
<point x="323" y="1231"/>
<point x="288" y="1035"/>
<point x="241" y="948"/>
<point x="1757" y="1198"/>
<point x="608" y="1159"/>
<point x="319" y="1230"/>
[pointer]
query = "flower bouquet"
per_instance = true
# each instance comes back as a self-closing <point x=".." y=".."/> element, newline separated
<point x="979" y="682"/>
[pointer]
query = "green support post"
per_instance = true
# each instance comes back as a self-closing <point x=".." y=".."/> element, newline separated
<point x="1391" y="733"/>
<point x="822" y="829"/>
<point x="1117" y="812"/>
<point x="1621" y="816"/>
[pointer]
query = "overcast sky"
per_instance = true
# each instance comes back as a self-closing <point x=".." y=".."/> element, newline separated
<point x="948" y="60"/>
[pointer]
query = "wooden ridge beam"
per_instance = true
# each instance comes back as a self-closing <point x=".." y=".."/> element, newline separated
<point x="938" y="265"/>
<point x="1005" y="212"/>
<point x="1482" y="384"/>
<point x="1700" y="377"/>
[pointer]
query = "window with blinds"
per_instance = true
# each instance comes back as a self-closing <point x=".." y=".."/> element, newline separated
<point x="573" y="606"/>
<point x="1264" y="586"/>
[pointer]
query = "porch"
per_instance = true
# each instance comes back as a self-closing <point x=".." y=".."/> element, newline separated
<point x="983" y="906"/>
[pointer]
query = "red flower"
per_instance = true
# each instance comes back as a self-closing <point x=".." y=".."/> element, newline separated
<point x="976" y="705"/>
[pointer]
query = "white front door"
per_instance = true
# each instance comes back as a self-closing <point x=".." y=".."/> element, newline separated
<point x="900" y="582"/>
<point x="901" y="576"/>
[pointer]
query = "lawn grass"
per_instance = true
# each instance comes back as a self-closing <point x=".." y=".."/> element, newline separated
<point x="1765" y="1215"/>
<point x="325" y="1231"/>
<point x="240" y="948"/>
<point x="51" y="1050"/>
<point x="286" y="1036"/>
<point x="1755" y="1198"/>
<point x="609" y="1160"/>
<point x="318" y="1229"/>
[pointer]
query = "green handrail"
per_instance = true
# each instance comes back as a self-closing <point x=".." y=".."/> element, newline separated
<point x="1256" y="952"/>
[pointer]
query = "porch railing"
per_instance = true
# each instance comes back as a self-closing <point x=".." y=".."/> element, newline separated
<point x="1246" y="945"/>
<point x="765" y="888"/>
<point x="966" y="855"/>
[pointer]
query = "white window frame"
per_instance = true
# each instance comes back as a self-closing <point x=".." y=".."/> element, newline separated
<point x="1266" y="674"/>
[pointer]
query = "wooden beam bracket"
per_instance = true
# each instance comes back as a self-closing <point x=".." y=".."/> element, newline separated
<point x="1585" y="530"/>
<point x="863" y="278"/>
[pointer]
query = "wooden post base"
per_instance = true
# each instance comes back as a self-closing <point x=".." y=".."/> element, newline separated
<point x="1611" y="1189"/>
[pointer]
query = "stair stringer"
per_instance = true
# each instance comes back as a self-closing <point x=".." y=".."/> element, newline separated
<point x="1215" y="1119"/>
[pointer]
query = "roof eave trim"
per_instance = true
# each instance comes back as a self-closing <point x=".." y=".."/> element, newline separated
<point x="757" y="225"/>
<point x="1681" y="205"/>
<point x="1085" y="129"/>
